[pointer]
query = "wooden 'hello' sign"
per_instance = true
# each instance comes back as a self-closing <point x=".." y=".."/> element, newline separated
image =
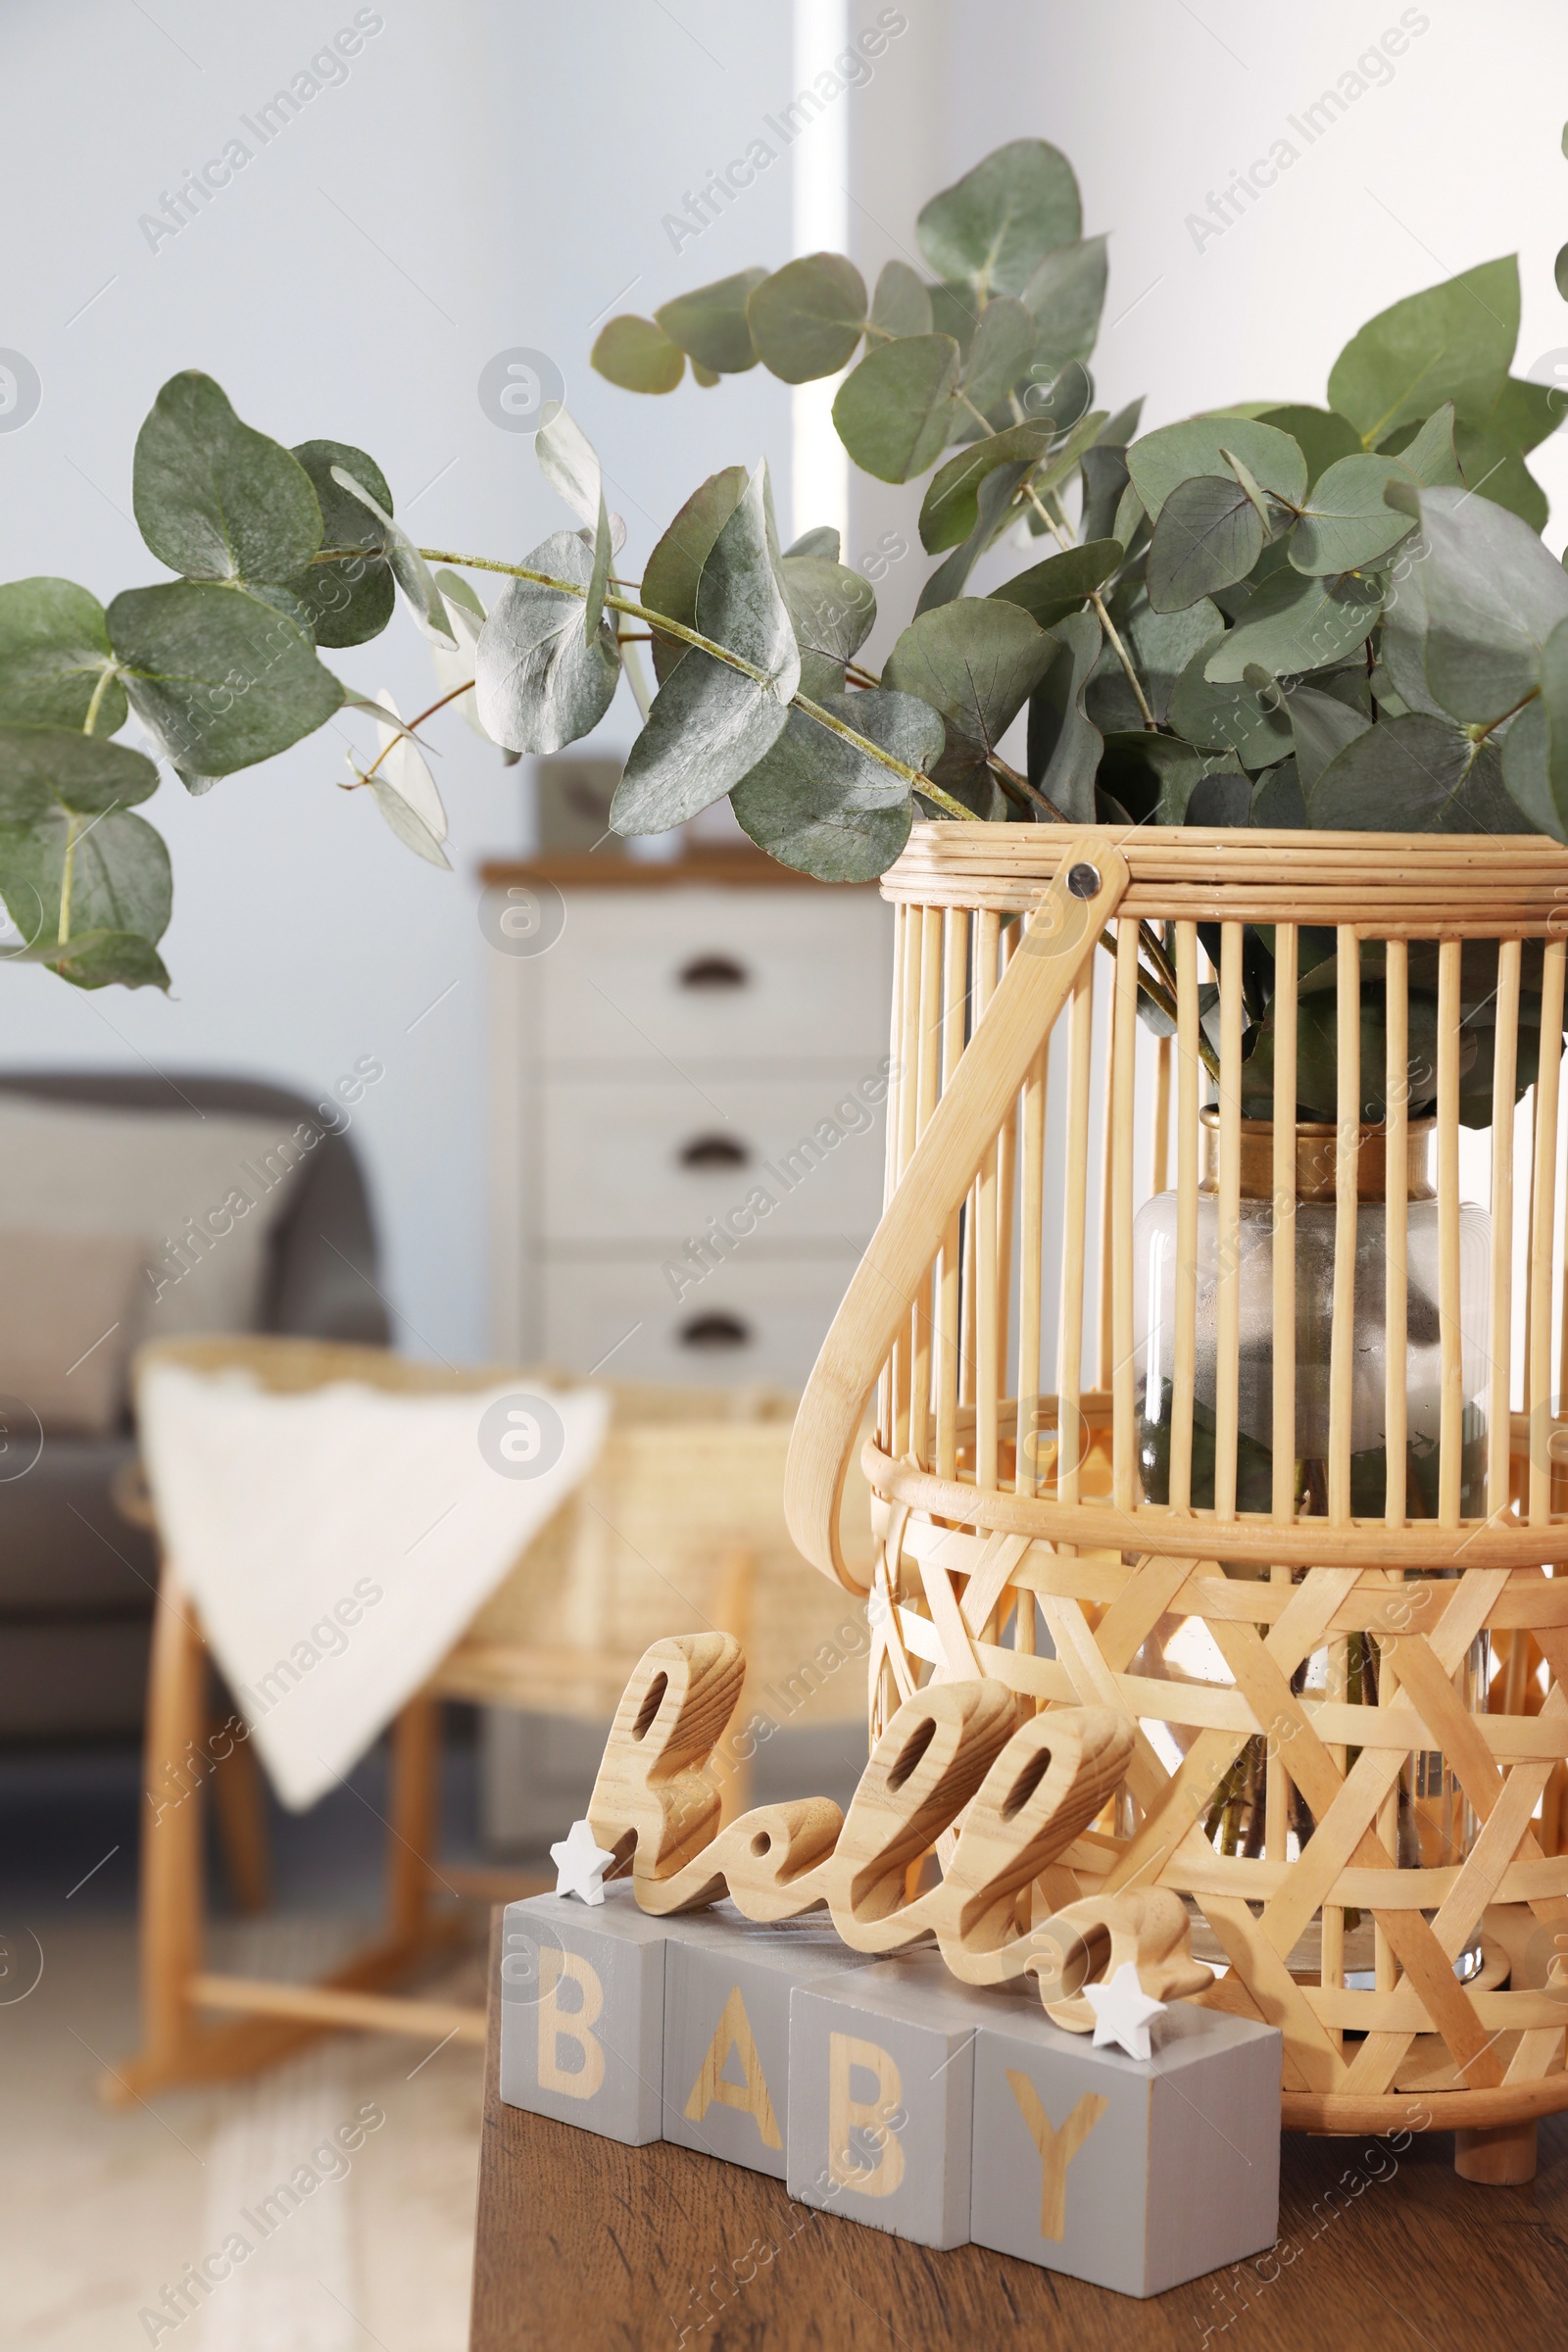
<point x="1026" y="1790"/>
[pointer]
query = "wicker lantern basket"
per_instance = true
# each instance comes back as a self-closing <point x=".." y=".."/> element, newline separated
<point x="1393" y="1663"/>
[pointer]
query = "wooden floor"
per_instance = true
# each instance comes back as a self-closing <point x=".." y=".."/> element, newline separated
<point x="586" y="2244"/>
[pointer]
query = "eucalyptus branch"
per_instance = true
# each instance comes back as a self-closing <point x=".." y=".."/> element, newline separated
<point x="916" y="779"/>
<point x="416" y="721"/>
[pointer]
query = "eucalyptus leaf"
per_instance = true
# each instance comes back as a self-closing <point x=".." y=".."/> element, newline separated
<point x="109" y="958"/>
<point x="1321" y="726"/>
<point x="408" y="567"/>
<point x="1162" y="460"/>
<point x="902" y="303"/>
<point x="349" y="601"/>
<point x="1207" y="534"/>
<point x="540" y="685"/>
<point x="1278" y="800"/>
<point x="994" y="513"/>
<point x="894" y="412"/>
<point x="1346" y="522"/>
<point x="1491" y="596"/>
<point x="214" y="499"/>
<point x="955" y="312"/>
<point x="120" y="876"/>
<point x="825" y="807"/>
<point x="44" y="770"/>
<point x="975" y="661"/>
<point x="1411" y="775"/>
<point x="637" y="355"/>
<point x="1000" y="355"/>
<point x="458" y="665"/>
<point x="1049" y="590"/>
<point x="1068" y="452"/>
<point x="1064" y="744"/>
<point x="1523" y="414"/>
<point x="1238" y="718"/>
<point x="1105" y="478"/>
<point x="1320" y="434"/>
<point x="710" y="322"/>
<point x="806" y="320"/>
<point x="1066" y="294"/>
<point x="222" y="679"/>
<point x="823" y="541"/>
<point x="994" y="227"/>
<point x="54" y="653"/>
<point x="1534" y="747"/>
<point x="404" y="773"/>
<point x="710" y="724"/>
<point x="569" y="462"/>
<point x="833" y="611"/>
<point x="1161" y="645"/>
<point x="1450" y="342"/>
<point x="406" y="823"/>
<point x="1294" y="624"/>
<point x="1495" y="470"/>
<point x="673" y="569"/>
<point x="948" y="511"/>
<point x="1223" y="799"/>
<point x="1151" y="778"/>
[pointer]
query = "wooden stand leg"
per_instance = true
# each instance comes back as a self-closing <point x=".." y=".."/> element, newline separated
<point x="172" y="1846"/>
<point x="239" y="1806"/>
<point x="1503" y="2158"/>
<point x="415" y="1810"/>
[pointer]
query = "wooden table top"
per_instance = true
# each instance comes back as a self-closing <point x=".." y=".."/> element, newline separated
<point x="586" y="2246"/>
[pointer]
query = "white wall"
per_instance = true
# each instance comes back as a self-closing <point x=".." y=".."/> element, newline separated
<point x="493" y="175"/>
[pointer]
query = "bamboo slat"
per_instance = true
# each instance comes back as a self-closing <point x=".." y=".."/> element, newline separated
<point x="1451" y="1419"/>
<point x="1228" y="1226"/>
<point x="1119" y="1218"/>
<point x="1074" y="1219"/>
<point x="1183" y="1354"/>
<point x="1542" y="1227"/>
<point x="1505" y="1069"/>
<point x="1346" y="1148"/>
<point x="1287" y="963"/>
<point x="1397" y="1228"/>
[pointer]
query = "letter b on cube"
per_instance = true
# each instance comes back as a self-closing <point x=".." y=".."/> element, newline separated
<point x="582" y="2014"/>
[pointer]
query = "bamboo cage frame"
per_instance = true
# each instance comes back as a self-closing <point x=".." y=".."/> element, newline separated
<point x="998" y="1508"/>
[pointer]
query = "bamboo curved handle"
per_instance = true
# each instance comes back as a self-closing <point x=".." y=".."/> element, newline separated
<point x="1063" y="932"/>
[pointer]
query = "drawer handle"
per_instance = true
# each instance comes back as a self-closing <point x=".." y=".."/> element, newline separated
<point x="713" y="1152"/>
<point x="715" y="1331"/>
<point x="714" y="971"/>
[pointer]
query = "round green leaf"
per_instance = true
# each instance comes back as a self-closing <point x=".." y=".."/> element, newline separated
<point x="1160" y="461"/>
<point x="1064" y="744"/>
<point x="1411" y="775"/>
<point x="408" y="567"/>
<point x="833" y="610"/>
<point x="44" y="770"/>
<point x="53" y="651"/>
<point x="673" y="569"/>
<point x="710" y="723"/>
<point x="994" y="227"/>
<point x="350" y="602"/>
<point x="1065" y="295"/>
<point x="950" y="510"/>
<point x="1450" y="342"/>
<point x="1208" y="535"/>
<point x="1346" y="522"/>
<point x="214" y="499"/>
<point x="1292" y="624"/>
<point x="710" y="325"/>
<point x="638" y="355"/>
<point x="824" y="806"/>
<point x="1003" y="346"/>
<point x="1161" y="644"/>
<point x="806" y="320"/>
<point x="540" y="685"/>
<point x="1491" y="596"/>
<point x="902" y="303"/>
<point x="1319" y="435"/>
<point x="977" y="663"/>
<point x="222" y="678"/>
<point x="1049" y="591"/>
<point x="1237" y="719"/>
<point x="120" y="877"/>
<point x="894" y="413"/>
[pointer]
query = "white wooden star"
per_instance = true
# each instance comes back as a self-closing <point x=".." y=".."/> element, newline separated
<point x="1123" y="2011"/>
<point x="580" y="1864"/>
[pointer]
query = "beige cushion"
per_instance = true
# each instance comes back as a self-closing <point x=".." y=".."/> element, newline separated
<point x="197" y="1193"/>
<point x="67" y="1302"/>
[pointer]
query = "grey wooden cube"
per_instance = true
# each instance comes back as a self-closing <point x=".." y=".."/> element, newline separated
<point x="1133" y="2173"/>
<point x="582" y="2013"/>
<point x="881" y="2095"/>
<point x="727" y="1987"/>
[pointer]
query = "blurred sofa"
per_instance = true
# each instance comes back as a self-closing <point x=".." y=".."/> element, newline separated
<point x="77" y="1579"/>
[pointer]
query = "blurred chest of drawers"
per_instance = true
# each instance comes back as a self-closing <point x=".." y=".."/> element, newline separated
<point x="690" y="1068"/>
